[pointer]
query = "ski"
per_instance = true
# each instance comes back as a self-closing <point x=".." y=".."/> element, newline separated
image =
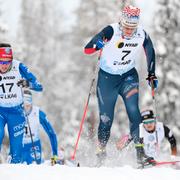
<point x="123" y="142"/>
<point x="154" y="163"/>
<point x="158" y="163"/>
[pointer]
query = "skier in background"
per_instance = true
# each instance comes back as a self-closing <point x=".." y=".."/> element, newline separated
<point x="121" y="44"/>
<point x="36" y="117"/>
<point x="13" y="76"/>
<point x="152" y="133"/>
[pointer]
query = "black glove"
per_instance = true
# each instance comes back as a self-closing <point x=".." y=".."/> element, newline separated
<point x="23" y="83"/>
<point x="152" y="79"/>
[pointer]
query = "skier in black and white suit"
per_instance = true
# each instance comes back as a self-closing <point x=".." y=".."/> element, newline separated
<point x="152" y="133"/>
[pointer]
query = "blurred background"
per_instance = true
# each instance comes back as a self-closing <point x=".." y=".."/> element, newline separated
<point x="49" y="37"/>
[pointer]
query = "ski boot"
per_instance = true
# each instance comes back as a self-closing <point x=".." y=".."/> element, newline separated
<point x="58" y="159"/>
<point x="143" y="160"/>
<point x="101" y="154"/>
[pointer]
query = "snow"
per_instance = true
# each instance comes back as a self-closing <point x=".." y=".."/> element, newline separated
<point x="45" y="172"/>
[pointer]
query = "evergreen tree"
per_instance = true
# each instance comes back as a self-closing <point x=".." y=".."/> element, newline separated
<point x="166" y="31"/>
<point x="3" y="28"/>
<point x="40" y="37"/>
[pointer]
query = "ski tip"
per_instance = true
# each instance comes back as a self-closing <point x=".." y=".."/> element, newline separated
<point x="78" y="164"/>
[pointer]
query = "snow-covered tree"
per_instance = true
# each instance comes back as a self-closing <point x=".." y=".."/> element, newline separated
<point x="40" y="37"/>
<point x="3" y="27"/>
<point x="3" y="31"/>
<point x="166" y="31"/>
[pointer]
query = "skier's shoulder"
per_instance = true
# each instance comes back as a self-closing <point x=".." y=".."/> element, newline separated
<point x="22" y="67"/>
<point x="36" y="108"/>
<point x="109" y="29"/>
<point x="42" y="114"/>
<point x="16" y="62"/>
<point x="160" y="124"/>
<point x="141" y="29"/>
<point x="141" y="32"/>
<point x="35" y="111"/>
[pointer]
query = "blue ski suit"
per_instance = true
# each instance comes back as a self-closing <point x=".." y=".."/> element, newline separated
<point x="11" y="106"/>
<point x="36" y="117"/>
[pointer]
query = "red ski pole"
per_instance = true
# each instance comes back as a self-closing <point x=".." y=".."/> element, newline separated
<point x="86" y="107"/>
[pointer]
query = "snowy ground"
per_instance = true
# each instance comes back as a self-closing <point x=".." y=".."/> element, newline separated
<point x="115" y="169"/>
<point x="57" y="172"/>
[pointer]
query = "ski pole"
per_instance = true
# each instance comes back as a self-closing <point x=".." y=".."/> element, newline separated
<point x="32" y="141"/>
<point x="153" y="98"/>
<point x="86" y="106"/>
<point x="155" y="112"/>
<point x="29" y="127"/>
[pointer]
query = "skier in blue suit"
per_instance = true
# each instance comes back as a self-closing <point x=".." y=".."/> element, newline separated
<point x="14" y="75"/>
<point x="36" y="118"/>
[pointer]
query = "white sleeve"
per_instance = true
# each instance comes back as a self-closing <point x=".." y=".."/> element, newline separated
<point x="141" y="130"/>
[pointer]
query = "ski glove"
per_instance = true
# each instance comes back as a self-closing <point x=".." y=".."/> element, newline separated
<point x="152" y="79"/>
<point x="23" y="83"/>
<point x="55" y="160"/>
<point x="99" y="44"/>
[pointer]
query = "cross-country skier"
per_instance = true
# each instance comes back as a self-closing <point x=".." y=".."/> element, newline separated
<point x="153" y="133"/>
<point x="121" y="44"/>
<point x="13" y="76"/>
<point x="36" y="118"/>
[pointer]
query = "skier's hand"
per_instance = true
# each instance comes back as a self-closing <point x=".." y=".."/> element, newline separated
<point x="99" y="44"/>
<point x="55" y="160"/>
<point x="23" y="83"/>
<point x="152" y="80"/>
